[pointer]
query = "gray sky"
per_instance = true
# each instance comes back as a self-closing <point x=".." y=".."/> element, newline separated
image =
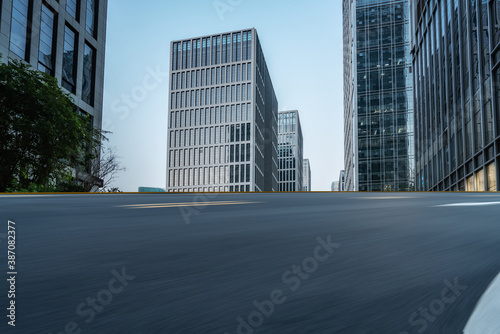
<point x="302" y="43"/>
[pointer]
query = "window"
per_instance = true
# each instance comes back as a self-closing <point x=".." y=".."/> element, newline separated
<point x="45" y="51"/>
<point x="491" y="175"/>
<point x="73" y="8"/>
<point x="90" y="18"/>
<point x="88" y="79"/>
<point x="215" y="50"/>
<point x="205" y="52"/>
<point x="196" y="53"/>
<point x="19" y="29"/>
<point x="226" y="50"/>
<point x="69" y="60"/>
<point x="176" y="56"/>
<point x="236" y="56"/>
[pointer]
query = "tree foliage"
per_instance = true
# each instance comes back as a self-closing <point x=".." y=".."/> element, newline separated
<point x="42" y="136"/>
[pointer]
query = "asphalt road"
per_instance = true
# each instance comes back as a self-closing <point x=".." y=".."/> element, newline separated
<point x="248" y="263"/>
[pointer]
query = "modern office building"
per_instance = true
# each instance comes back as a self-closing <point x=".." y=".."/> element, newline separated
<point x="335" y="186"/>
<point x="341" y="181"/>
<point x="456" y="61"/>
<point x="378" y="96"/>
<point x="306" y="184"/>
<point x="65" y="39"/>
<point x="290" y="151"/>
<point x="223" y="113"/>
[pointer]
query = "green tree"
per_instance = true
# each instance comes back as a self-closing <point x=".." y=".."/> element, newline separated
<point x="42" y="136"/>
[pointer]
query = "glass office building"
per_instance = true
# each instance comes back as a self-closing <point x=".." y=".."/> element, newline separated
<point x="290" y="151"/>
<point x="378" y="96"/>
<point x="222" y="134"/>
<point x="54" y="37"/>
<point x="456" y="61"/>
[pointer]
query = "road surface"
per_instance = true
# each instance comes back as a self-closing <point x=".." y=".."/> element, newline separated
<point x="249" y="263"/>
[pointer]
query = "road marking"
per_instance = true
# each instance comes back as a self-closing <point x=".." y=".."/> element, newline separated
<point x="176" y="205"/>
<point x="484" y="319"/>
<point x="468" y="204"/>
<point x="394" y="197"/>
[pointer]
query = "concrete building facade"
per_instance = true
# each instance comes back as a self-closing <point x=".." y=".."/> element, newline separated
<point x="223" y="111"/>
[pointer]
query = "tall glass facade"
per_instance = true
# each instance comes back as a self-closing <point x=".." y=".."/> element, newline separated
<point x="378" y="100"/>
<point x="456" y="58"/>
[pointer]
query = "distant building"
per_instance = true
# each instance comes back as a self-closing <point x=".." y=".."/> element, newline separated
<point x="290" y="151"/>
<point x="342" y="181"/>
<point x="151" y="190"/>
<point x="222" y="134"/>
<point x="335" y="186"/>
<point x="307" y="176"/>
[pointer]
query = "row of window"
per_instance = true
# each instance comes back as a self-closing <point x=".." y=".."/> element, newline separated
<point x="285" y="151"/>
<point x="209" y="136"/>
<point x="384" y="79"/>
<point x="288" y="163"/>
<point x="287" y="122"/>
<point x="20" y="45"/>
<point x="210" y="116"/>
<point x="385" y="148"/>
<point x="212" y="76"/>
<point x="73" y="9"/>
<point x="205" y="176"/>
<point x="220" y="49"/>
<point x="286" y="138"/>
<point x="237" y="188"/>
<point x="384" y="14"/>
<point x="400" y="101"/>
<point x="211" y="96"/>
<point x="476" y="182"/>
<point x="288" y="186"/>
<point x="376" y="58"/>
<point x="209" y="155"/>
<point x="386" y="125"/>
<point x="382" y="36"/>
